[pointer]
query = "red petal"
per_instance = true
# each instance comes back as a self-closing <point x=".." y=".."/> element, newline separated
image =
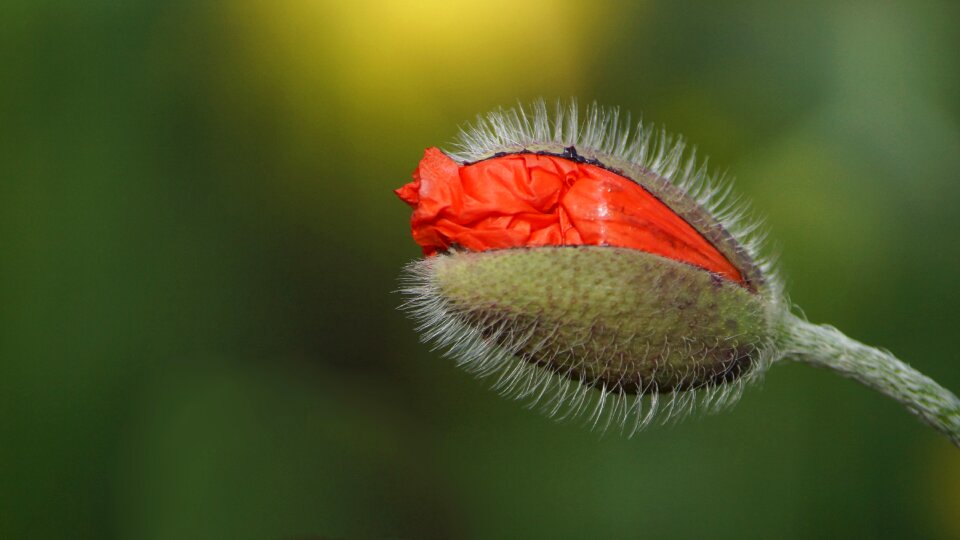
<point x="540" y="200"/>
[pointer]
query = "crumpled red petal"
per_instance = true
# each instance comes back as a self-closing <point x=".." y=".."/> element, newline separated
<point x="520" y="200"/>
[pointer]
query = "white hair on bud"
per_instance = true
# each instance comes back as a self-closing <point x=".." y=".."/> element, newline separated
<point x="493" y="349"/>
<point x="515" y="355"/>
<point x="528" y="361"/>
<point x="603" y="135"/>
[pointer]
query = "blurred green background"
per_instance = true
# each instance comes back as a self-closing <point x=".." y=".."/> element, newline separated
<point x="199" y="334"/>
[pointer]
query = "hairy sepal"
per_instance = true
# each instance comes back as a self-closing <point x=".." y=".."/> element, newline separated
<point x="552" y="323"/>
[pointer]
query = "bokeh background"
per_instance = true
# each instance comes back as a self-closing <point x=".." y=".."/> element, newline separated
<point x="199" y="251"/>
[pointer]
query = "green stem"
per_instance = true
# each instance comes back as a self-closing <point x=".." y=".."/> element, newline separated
<point x="825" y="346"/>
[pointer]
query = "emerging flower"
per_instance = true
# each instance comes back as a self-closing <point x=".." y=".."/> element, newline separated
<point x="595" y="270"/>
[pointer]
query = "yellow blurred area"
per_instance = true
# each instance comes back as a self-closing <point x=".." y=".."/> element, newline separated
<point x="380" y="58"/>
<point x="942" y="481"/>
<point x="377" y="81"/>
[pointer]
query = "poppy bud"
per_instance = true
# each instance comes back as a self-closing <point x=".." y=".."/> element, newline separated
<point x="576" y="257"/>
<point x="581" y="266"/>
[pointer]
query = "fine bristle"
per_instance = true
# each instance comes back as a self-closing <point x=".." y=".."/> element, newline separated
<point x="602" y="134"/>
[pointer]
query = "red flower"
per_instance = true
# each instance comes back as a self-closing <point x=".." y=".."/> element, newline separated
<point x="525" y="200"/>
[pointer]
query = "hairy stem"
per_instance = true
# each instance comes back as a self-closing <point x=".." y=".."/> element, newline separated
<point x="825" y="346"/>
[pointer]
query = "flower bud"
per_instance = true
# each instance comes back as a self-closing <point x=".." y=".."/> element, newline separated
<point x="564" y="256"/>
